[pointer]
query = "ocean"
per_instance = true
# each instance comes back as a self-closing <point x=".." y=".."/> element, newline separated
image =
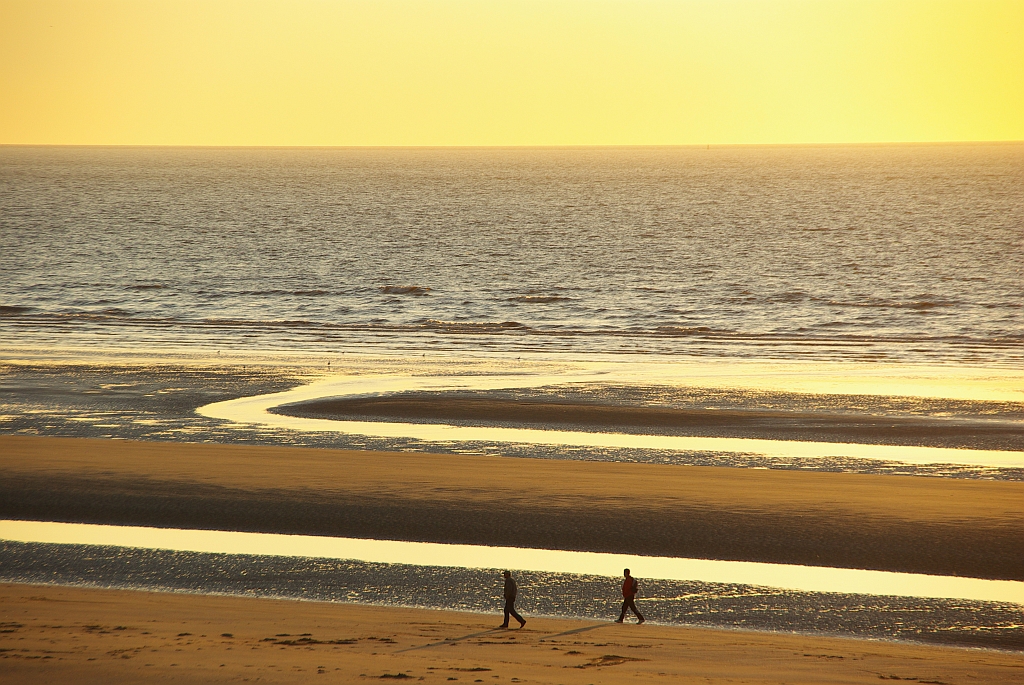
<point x="905" y="253"/>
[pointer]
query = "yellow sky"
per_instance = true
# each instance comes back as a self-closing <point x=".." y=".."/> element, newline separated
<point x="509" y="72"/>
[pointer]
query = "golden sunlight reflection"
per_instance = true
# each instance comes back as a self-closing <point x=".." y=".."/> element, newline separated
<point x="917" y="381"/>
<point x="792" y="577"/>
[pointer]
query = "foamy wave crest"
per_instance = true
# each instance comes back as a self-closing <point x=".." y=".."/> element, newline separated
<point x="683" y="330"/>
<point x="303" y="293"/>
<point x="539" y="298"/>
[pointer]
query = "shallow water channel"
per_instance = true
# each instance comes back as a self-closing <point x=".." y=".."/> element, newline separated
<point x="256" y="411"/>
<point x="729" y="595"/>
<point x="782" y="576"/>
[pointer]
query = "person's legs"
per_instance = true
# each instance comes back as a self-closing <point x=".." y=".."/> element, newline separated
<point x="510" y="609"/>
<point x="631" y="603"/>
<point x="622" y="614"/>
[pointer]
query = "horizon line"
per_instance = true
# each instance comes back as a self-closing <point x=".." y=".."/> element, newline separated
<point x="517" y="147"/>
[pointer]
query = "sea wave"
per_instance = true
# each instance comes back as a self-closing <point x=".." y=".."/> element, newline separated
<point x="405" y="289"/>
<point x="473" y="326"/>
<point x="788" y="297"/>
<point x="341" y="327"/>
<point x="281" y="323"/>
<point x="539" y="298"/>
<point x="685" y="330"/>
<point x="825" y="331"/>
<point x="917" y="302"/>
<point x="29" y="315"/>
<point x="311" y="292"/>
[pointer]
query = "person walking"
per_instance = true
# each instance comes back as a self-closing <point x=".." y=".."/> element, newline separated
<point x="510" y="601"/>
<point x="629" y="589"/>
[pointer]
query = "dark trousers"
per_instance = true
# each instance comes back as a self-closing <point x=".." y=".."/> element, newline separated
<point x="630" y="603"/>
<point x="510" y="610"/>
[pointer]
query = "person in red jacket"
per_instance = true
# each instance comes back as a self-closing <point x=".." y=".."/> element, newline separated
<point x="629" y="589"/>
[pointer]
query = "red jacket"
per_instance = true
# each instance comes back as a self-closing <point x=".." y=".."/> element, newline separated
<point x="629" y="587"/>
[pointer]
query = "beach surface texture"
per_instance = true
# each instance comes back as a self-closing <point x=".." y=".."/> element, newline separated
<point x="934" y="526"/>
<point x="77" y="635"/>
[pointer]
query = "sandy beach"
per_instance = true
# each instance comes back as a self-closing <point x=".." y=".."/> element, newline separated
<point x="834" y="426"/>
<point x="79" y="635"/>
<point x="914" y="524"/>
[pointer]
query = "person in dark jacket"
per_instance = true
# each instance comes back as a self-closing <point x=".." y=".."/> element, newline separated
<point x="510" y="601"/>
<point x="629" y="589"/>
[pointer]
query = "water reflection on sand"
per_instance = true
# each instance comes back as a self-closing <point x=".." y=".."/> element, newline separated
<point x="921" y="382"/>
<point x="790" y="577"/>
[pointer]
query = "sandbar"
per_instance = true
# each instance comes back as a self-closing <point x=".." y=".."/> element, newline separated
<point x="897" y="523"/>
<point x="771" y="424"/>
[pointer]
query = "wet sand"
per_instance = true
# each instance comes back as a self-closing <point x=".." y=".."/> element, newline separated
<point x="718" y="605"/>
<point x="896" y="523"/>
<point x="63" y="634"/>
<point x="860" y="427"/>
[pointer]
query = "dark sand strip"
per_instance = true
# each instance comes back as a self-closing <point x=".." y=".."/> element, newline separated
<point x="738" y="423"/>
<point x="85" y="636"/>
<point x="913" y="524"/>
